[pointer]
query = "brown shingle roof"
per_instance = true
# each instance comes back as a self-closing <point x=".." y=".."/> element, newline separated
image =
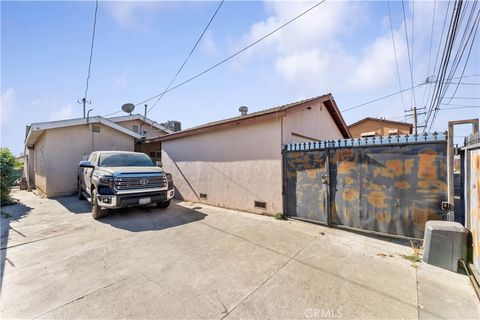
<point x="327" y="99"/>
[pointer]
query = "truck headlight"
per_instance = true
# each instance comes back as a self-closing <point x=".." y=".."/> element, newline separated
<point x="169" y="181"/>
<point x="108" y="180"/>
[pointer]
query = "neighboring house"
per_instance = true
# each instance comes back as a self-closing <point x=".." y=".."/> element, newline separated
<point x="55" y="148"/>
<point x="150" y="129"/>
<point x="237" y="162"/>
<point x="376" y="127"/>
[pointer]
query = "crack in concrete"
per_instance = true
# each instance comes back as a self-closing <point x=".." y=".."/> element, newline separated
<point x="105" y="266"/>
<point x="418" y="297"/>
<point x="247" y="240"/>
<point x="223" y="310"/>
<point x="105" y="255"/>
<point x="41" y="239"/>
<point x="79" y="298"/>
<point x="266" y="280"/>
<point x="150" y="279"/>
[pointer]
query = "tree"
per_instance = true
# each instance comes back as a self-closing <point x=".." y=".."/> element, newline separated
<point x="7" y="174"/>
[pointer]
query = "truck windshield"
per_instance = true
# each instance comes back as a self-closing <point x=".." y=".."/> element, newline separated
<point x="125" y="160"/>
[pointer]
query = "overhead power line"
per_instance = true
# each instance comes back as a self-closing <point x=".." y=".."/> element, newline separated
<point x="384" y="97"/>
<point x="459" y="106"/>
<point x="431" y="45"/>
<point x="462" y="98"/>
<point x="408" y="51"/>
<point x="398" y="92"/>
<point x="83" y="101"/>
<point x="233" y="55"/>
<point x="468" y="55"/>
<point x="442" y="71"/>
<point x="395" y="53"/>
<point x="188" y="56"/>
<point x="91" y="49"/>
<point x="429" y="95"/>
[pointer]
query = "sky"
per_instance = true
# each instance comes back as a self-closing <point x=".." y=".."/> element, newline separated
<point x="341" y="47"/>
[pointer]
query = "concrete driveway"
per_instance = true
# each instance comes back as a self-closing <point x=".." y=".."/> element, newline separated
<point x="197" y="261"/>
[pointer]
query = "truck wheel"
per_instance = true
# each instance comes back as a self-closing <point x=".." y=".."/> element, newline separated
<point x="80" y="194"/>
<point x="163" y="204"/>
<point x="97" y="212"/>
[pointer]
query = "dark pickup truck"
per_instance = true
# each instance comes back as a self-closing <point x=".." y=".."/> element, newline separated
<point x="119" y="179"/>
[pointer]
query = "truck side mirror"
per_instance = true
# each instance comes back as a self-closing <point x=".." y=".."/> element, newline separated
<point x="159" y="164"/>
<point x="86" y="164"/>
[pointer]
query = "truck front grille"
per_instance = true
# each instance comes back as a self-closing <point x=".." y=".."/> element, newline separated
<point x="128" y="183"/>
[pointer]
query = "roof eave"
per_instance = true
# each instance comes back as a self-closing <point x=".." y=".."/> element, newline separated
<point x="138" y="116"/>
<point x="40" y="127"/>
<point x="339" y="121"/>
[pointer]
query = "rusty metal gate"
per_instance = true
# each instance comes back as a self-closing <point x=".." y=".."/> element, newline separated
<point x="472" y="193"/>
<point x="305" y="179"/>
<point x="390" y="185"/>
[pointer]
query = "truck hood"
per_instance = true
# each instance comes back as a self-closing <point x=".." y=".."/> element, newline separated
<point x="139" y="170"/>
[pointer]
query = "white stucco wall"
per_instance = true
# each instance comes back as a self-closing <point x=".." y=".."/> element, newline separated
<point x="56" y="167"/>
<point x="234" y="167"/>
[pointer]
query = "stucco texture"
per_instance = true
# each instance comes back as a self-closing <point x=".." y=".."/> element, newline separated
<point x="150" y="131"/>
<point x="58" y="152"/>
<point x="241" y="164"/>
<point x="381" y="128"/>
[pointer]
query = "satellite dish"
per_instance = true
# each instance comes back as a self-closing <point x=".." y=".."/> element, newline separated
<point x="128" y="108"/>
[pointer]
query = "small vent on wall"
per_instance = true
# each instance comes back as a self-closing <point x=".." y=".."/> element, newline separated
<point x="260" y="205"/>
<point x="203" y="196"/>
<point x="95" y="129"/>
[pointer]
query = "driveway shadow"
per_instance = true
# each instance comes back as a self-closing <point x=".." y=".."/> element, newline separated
<point x="73" y="204"/>
<point x="136" y="219"/>
<point x="150" y="218"/>
<point x="9" y="214"/>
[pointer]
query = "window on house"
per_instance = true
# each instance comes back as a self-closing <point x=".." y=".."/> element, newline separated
<point x="152" y="154"/>
<point x="135" y="128"/>
<point x="159" y="154"/>
<point x="368" y="134"/>
<point x="203" y="196"/>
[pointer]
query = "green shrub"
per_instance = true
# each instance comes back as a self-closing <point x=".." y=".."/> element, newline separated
<point x="7" y="174"/>
<point x="279" y="216"/>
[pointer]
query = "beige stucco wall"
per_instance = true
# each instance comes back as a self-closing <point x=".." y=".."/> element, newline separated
<point x="151" y="131"/>
<point x="381" y="128"/>
<point x="29" y="168"/>
<point x="39" y="163"/>
<point x="234" y="167"/>
<point x="315" y="123"/>
<point x="63" y="149"/>
<point x="242" y="164"/>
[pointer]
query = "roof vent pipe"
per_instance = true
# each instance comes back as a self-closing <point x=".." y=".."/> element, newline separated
<point x="243" y="110"/>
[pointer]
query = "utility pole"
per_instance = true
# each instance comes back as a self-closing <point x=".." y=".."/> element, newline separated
<point x="84" y="102"/>
<point x="415" y="115"/>
<point x="144" y="118"/>
<point x="415" y="125"/>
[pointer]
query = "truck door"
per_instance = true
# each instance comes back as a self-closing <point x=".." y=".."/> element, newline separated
<point x="87" y="172"/>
